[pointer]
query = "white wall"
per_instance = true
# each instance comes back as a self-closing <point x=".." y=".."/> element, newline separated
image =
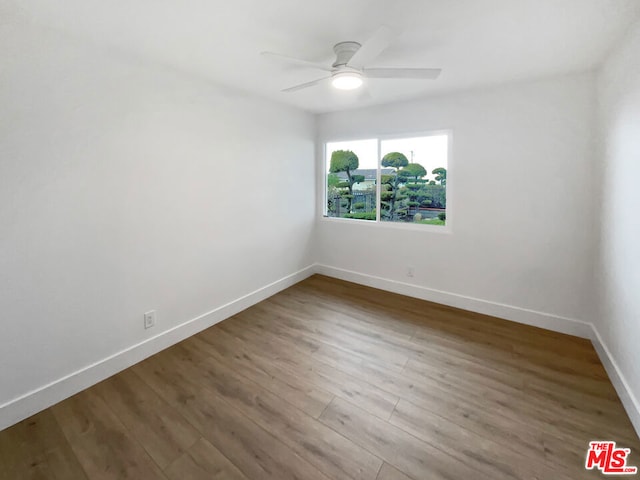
<point x="522" y="202"/>
<point x="126" y="187"/>
<point x="618" y="322"/>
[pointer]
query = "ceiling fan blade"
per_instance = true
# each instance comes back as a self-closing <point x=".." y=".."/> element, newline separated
<point x="306" y="85"/>
<point x="392" y="72"/>
<point x="372" y="47"/>
<point x="296" y="61"/>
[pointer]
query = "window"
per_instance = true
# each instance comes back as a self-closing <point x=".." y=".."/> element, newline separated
<point x="352" y="176"/>
<point x="402" y="180"/>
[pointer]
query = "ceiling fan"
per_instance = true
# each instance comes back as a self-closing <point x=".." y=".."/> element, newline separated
<point x="349" y="70"/>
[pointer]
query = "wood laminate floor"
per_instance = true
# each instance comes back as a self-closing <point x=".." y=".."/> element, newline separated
<point x="331" y="380"/>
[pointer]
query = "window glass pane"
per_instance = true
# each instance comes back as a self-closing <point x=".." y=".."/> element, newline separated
<point x="351" y="179"/>
<point x="414" y="180"/>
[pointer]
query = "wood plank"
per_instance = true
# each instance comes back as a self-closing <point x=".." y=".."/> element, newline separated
<point x="301" y="325"/>
<point x="102" y="444"/>
<point x="328" y="379"/>
<point x="513" y="427"/>
<point x="203" y="461"/>
<point x="162" y="431"/>
<point x="395" y="446"/>
<point x="488" y="346"/>
<point x="328" y="451"/>
<point x="440" y="320"/>
<point x="295" y="388"/>
<point x="388" y="472"/>
<point x="37" y="449"/>
<point x="405" y="309"/>
<point x="434" y="398"/>
<point x="523" y="404"/>
<point x="478" y="452"/>
<point x="458" y="353"/>
<point x="256" y="452"/>
<point x="282" y="361"/>
<point x="351" y="317"/>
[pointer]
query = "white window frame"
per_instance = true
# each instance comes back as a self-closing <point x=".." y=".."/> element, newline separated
<point x="378" y="223"/>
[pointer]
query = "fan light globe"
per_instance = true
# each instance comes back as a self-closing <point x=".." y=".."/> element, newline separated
<point x="347" y="81"/>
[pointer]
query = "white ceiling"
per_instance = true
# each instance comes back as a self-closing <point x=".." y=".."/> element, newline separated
<point x="476" y="42"/>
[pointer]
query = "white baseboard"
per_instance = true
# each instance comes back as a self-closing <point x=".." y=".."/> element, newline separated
<point x="556" y="323"/>
<point x="37" y="400"/>
<point x="32" y="402"/>
<point x="629" y="400"/>
<point x="549" y="321"/>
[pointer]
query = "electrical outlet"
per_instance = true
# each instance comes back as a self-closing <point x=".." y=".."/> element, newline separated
<point x="149" y="319"/>
<point x="410" y="271"/>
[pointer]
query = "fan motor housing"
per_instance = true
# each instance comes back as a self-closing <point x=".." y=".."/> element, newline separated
<point x="344" y="51"/>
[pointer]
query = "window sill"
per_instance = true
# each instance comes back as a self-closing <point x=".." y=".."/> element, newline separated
<point x="446" y="229"/>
